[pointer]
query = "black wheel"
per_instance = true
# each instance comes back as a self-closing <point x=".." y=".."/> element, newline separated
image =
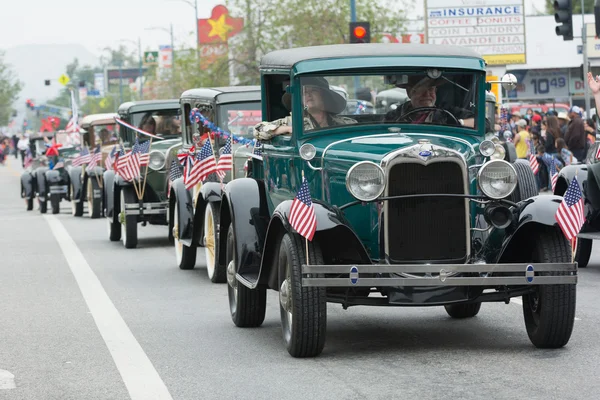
<point x="128" y="222"/>
<point x="55" y="203"/>
<point x="303" y="309"/>
<point x="184" y="255"/>
<point x="76" y="204"/>
<point x="463" y="310"/>
<point x="583" y="252"/>
<point x="43" y="204"/>
<point x="29" y="204"/>
<point x="247" y="306"/>
<point x="549" y="312"/>
<point x="94" y="198"/>
<point x="526" y="184"/>
<point x="216" y="273"/>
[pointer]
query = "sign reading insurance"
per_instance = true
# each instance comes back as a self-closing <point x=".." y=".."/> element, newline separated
<point x="493" y="28"/>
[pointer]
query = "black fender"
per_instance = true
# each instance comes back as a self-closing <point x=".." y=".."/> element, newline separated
<point x="534" y="214"/>
<point x="108" y="197"/>
<point x="511" y="152"/>
<point x="185" y="210"/>
<point x="333" y="233"/>
<point x="191" y="218"/>
<point x="27" y="185"/>
<point x="76" y="183"/>
<point x="566" y="175"/>
<point x="40" y="182"/>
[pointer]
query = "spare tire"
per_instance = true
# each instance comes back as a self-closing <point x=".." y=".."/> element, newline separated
<point x="526" y="183"/>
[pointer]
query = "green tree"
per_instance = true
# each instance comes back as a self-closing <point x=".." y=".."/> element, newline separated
<point x="10" y="87"/>
<point x="589" y="6"/>
<point x="304" y="23"/>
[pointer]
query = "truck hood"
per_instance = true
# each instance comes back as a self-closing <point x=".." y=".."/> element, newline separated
<point x="375" y="147"/>
<point x="164" y="145"/>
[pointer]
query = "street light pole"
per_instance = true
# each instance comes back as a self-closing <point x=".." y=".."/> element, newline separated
<point x="141" y="72"/>
<point x="585" y="60"/>
<point x="197" y="41"/>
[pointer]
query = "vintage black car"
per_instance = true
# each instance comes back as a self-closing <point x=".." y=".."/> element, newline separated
<point x="588" y="176"/>
<point x="195" y="212"/>
<point x="45" y="177"/>
<point x="413" y="206"/>
<point x="122" y="206"/>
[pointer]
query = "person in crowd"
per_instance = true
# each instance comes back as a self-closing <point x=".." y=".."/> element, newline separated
<point x="590" y="130"/>
<point x="148" y="124"/>
<point x="564" y="155"/>
<point x="514" y="118"/>
<point x="563" y="122"/>
<point x="23" y="145"/>
<point x="544" y="162"/>
<point x="521" y="139"/>
<point x="552" y="133"/>
<point x="575" y="112"/>
<point x="576" y="138"/>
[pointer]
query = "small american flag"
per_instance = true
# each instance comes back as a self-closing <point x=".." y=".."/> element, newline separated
<point x="134" y="161"/>
<point x="504" y="118"/>
<point x="143" y="149"/>
<point x="533" y="163"/>
<point x="110" y="159"/>
<point x="570" y="212"/>
<point x="120" y="160"/>
<point x="204" y="165"/>
<point x="225" y="160"/>
<point x="187" y="173"/>
<point x="598" y="153"/>
<point x="553" y="174"/>
<point x="95" y="158"/>
<point x="174" y="173"/>
<point x="83" y="157"/>
<point x="302" y="213"/>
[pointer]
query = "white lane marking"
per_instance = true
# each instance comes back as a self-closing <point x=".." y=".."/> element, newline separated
<point x="7" y="380"/>
<point x="138" y="373"/>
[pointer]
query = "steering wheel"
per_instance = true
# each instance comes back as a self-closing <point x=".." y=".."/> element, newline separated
<point x="421" y="109"/>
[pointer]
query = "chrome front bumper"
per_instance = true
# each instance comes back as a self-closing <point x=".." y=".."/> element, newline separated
<point x="58" y="189"/>
<point x="439" y="275"/>
<point x="146" y="208"/>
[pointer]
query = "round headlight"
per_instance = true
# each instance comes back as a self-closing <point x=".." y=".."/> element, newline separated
<point x="497" y="179"/>
<point x="487" y="148"/>
<point x="507" y="135"/>
<point x="157" y="160"/>
<point x="365" y="181"/>
<point x="499" y="152"/>
<point x="307" y="151"/>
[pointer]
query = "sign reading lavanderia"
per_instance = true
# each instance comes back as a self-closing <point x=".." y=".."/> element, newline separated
<point x="493" y="28"/>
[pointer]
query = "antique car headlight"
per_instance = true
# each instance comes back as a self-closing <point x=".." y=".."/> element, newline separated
<point x="365" y="181"/>
<point x="497" y="179"/>
<point x="499" y="152"/>
<point x="157" y="160"/>
<point x="486" y="148"/>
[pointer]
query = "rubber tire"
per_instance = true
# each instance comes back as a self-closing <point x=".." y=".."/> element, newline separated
<point x="584" y="252"/>
<point x="552" y="324"/>
<point x="55" y="203"/>
<point x="219" y="272"/>
<point x="43" y="206"/>
<point x="306" y="337"/>
<point x="129" y="230"/>
<point x="526" y="184"/>
<point x="29" y="204"/>
<point x="76" y="206"/>
<point x="94" y="205"/>
<point x="246" y="306"/>
<point x="460" y="311"/>
<point x="185" y="256"/>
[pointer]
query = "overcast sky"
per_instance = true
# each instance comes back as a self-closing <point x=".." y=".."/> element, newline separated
<point x="110" y="21"/>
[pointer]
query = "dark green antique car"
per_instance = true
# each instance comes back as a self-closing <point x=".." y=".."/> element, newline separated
<point x="122" y="206"/>
<point x="195" y="212"/>
<point x="413" y="206"/>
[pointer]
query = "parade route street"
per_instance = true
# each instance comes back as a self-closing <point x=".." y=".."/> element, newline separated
<point x="84" y="318"/>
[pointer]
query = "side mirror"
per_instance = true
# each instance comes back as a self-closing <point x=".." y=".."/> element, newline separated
<point x="509" y="82"/>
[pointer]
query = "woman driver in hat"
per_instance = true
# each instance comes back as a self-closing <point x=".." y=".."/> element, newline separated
<point x="321" y="106"/>
<point x="422" y="92"/>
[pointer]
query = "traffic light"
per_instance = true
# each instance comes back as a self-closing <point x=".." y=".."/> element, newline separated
<point x="563" y="14"/>
<point x="29" y="104"/>
<point x="47" y="82"/>
<point x="81" y="83"/>
<point x="360" y="32"/>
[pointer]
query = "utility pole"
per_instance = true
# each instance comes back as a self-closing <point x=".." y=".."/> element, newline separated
<point x="141" y="68"/>
<point x="585" y="60"/>
<point x="120" y="82"/>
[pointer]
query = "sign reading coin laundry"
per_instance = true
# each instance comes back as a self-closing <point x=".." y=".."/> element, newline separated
<point x="493" y="28"/>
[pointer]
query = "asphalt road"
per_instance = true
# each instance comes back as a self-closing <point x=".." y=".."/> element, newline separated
<point x="83" y="318"/>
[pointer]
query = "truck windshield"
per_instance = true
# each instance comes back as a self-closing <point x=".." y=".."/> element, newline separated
<point x="240" y="118"/>
<point x="426" y="96"/>
<point x="160" y="122"/>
